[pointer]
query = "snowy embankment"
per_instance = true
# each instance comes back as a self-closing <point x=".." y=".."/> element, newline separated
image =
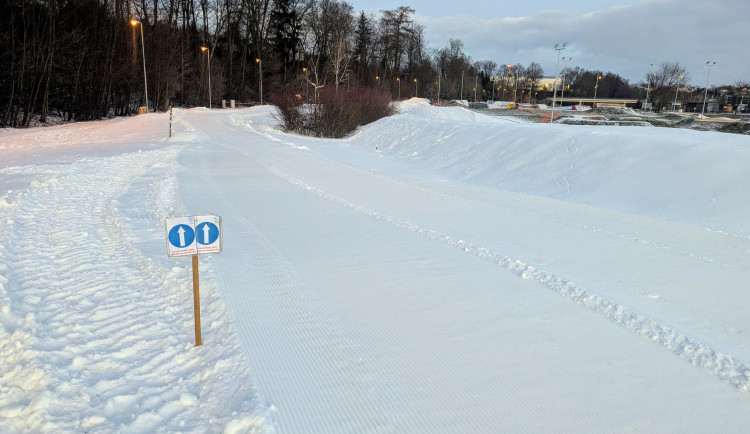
<point x="698" y="178"/>
<point x="425" y="274"/>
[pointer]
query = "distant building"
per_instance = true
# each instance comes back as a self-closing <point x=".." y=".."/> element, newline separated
<point x="592" y="102"/>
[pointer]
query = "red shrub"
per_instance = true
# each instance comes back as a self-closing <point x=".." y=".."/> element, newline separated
<point x="336" y="113"/>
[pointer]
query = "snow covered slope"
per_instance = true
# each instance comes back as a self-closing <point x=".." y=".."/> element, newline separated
<point x="437" y="271"/>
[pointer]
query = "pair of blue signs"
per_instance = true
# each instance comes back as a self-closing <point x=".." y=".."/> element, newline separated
<point x="193" y="235"/>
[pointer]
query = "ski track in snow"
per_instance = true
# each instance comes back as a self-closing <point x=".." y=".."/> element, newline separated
<point x="722" y="366"/>
<point x="332" y="358"/>
<point x="82" y="359"/>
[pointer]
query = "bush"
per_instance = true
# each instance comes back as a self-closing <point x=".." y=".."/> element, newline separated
<point x="336" y="113"/>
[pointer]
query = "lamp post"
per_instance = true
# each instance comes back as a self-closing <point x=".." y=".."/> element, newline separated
<point x="415" y="88"/>
<point x="462" y="86"/>
<point x="398" y="79"/>
<point x="676" y="91"/>
<point x="559" y="48"/>
<point x="648" y="88"/>
<point x="260" y="80"/>
<point x="441" y="73"/>
<point x="596" y="88"/>
<point x="134" y="23"/>
<point x="208" y="53"/>
<point x="307" y="93"/>
<point x="475" y="88"/>
<point x="377" y="81"/>
<point x="705" y="94"/>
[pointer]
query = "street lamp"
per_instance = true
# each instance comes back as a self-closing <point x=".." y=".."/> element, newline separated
<point x="208" y="52"/>
<point x="377" y="80"/>
<point x="462" y="85"/>
<point x="559" y="48"/>
<point x="307" y="80"/>
<point x="415" y="88"/>
<point x="398" y="79"/>
<point x="598" y="77"/>
<point x="648" y="89"/>
<point x="515" y="83"/>
<point x="676" y="91"/>
<point x="441" y="73"/>
<point x="260" y="80"/>
<point x="134" y="23"/>
<point x="705" y="94"/>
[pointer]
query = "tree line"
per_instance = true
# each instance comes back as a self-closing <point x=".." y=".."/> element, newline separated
<point x="84" y="59"/>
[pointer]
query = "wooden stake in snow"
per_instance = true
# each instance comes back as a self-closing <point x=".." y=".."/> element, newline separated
<point x="196" y="302"/>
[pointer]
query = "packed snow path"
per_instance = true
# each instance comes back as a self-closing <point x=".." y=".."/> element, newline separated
<point x="367" y="300"/>
<point x="438" y="271"/>
<point x="96" y="325"/>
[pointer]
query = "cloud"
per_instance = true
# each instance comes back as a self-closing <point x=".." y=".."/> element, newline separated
<point x="625" y="40"/>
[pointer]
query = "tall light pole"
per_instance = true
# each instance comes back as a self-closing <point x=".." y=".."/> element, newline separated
<point x="307" y="90"/>
<point x="648" y="88"/>
<point x="559" y="48"/>
<point x="462" y="86"/>
<point x="260" y="79"/>
<point x="676" y="91"/>
<point x="208" y="53"/>
<point x="598" y="77"/>
<point x="134" y="23"/>
<point x="415" y="88"/>
<point x="439" y="74"/>
<point x="705" y="94"/>
<point x="476" y="79"/>
<point x="398" y="79"/>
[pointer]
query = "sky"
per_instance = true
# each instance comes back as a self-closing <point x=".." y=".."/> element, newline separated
<point x="625" y="37"/>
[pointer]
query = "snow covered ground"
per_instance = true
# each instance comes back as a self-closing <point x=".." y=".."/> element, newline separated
<point x="438" y="271"/>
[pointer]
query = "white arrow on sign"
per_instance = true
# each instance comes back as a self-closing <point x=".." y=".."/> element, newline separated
<point x="181" y="239"/>
<point x="182" y="236"/>
<point x="205" y="234"/>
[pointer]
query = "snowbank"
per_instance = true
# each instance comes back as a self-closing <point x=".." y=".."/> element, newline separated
<point x="687" y="176"/>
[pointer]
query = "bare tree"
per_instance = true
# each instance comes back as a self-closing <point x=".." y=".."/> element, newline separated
<point x="340" y="57"/>
<point x="533" y="73"/>
<point x="328" y="22"/>
<point x="663" y="81"/>
<point x="395" y="32"/>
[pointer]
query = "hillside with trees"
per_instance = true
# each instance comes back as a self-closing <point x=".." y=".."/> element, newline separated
<point x="79" y="60"/>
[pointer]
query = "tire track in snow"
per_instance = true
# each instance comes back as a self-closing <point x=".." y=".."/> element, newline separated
<point x="722" y="366"/>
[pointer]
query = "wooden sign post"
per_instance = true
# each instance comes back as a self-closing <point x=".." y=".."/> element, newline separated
<point x="192" y="236"/>
<point x="196" y="302"/>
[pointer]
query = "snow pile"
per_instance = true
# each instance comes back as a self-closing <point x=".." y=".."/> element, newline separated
<point x="691" y="177"/>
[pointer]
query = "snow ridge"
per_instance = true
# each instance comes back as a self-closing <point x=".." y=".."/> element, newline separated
<point x="720" y="365"/>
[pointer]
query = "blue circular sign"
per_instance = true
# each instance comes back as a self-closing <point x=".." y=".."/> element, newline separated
<point x="181" y="236"/>
<point x="207" y="233"/>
